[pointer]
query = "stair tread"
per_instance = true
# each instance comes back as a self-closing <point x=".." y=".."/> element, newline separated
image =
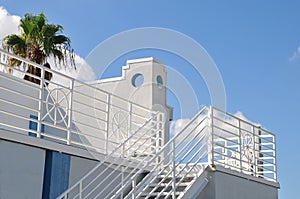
<point x="188" y="176"/>
<point x="169" y="184"/>
<point x="158" y="193"/>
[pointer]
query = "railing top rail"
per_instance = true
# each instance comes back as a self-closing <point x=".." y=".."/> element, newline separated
<point x="245" y="121"/>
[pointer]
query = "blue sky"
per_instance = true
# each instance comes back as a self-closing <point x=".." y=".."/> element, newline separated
<point x="253" y="43"/>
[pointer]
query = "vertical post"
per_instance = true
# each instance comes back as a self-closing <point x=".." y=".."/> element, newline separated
<point x="240" y="144"/>
<point x="122" y="183"/>
<point x="70" y="112"/>
<point x="254" y="164"/>
<point x="133" y="189"/>
<point x="275" y="162"/>
<point x="40" y="106"/>
<point x="259" y="162"/>
<point x="210" y="136"/>
<point x="107" y="124"/>
<point x="80" y="190"/>
<point x="129" y="125"/>
<point x="173" y="169"/>
<point x="157" y="139"/>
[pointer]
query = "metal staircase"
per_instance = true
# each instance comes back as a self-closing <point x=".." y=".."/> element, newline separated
<point x="161" y="186"/>
<point x="185" y="157"/>
<point x="117" y="167"/>
<point x="176" y="169"/>
<point x="167" y="173"/>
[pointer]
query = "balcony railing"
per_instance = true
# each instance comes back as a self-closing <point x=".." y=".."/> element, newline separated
<point x="65" y="110"/>
<point x="242" y="146"/>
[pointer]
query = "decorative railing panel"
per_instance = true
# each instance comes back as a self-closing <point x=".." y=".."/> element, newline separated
<point x="64" y="109"/>
<point x="242" y="146"/>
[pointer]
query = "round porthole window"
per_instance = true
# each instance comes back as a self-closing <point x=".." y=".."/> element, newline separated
<point x="159" y="81"/>
<point x="137" y="80"/>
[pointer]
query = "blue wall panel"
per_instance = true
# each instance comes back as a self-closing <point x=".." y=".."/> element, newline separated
<point x="56" y="174"/>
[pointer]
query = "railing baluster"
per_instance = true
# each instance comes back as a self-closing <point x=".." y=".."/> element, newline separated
<point x="173" y="169"/>
<point x="40" y="105"/>
<point x="210" y="136"/>
<point x="107" y="123"/>
<point x="70" y="112"/>
<point x="133" y="189"/>
<point x="80" y="190"/>
<point x="240" y="145"/>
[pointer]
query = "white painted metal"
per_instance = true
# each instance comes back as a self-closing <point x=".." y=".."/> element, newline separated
<point x="223" y="128"/>
<point x="69" y="111"/>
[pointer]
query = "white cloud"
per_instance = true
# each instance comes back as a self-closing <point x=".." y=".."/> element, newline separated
<point x="178" y="125"/>
<point x="83" y="72"/>
<point x="240" y="115"/>
<point x="9" y="25"/>
<point x="295" y="55"/>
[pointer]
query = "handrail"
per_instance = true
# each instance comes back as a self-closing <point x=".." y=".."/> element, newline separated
<point x="161" y="151"/>
<point x="108" y="157"/>
<point x="142" y="186"/>
<point x="119" y="165"/>
<point x="190" y="147"/>
<point x="245" y="121"/>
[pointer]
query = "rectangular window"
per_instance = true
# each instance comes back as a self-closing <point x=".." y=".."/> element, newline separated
<point x="33" y="126"/>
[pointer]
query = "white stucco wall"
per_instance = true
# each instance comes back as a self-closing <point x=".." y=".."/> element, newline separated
<point x="21" y="171"/>
<point x="228" y="184"/>
<point x="149" y="94"/>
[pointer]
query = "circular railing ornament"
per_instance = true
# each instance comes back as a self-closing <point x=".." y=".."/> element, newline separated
<point x="247" y="150"/>
<point x="120" y="126"/>
<point x="57" y="105"/>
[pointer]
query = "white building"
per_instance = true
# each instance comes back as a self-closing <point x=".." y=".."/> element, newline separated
<point x="110" y="139"/>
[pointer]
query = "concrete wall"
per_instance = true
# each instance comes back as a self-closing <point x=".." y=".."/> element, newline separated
<point x="32" y="172"/>
<point x="111" y="174"/>
<point x="21" y="171"/>
<point x="79" y="167"/>
<point x="227" y="184"/>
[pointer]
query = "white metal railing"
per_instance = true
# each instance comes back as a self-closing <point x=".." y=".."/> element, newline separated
<point x="186" y="155"/>
<point x="242" y="146"/>
<point x="64" y="109"/>
<point x="212" y="137"/>
<point x="112" y="172"/>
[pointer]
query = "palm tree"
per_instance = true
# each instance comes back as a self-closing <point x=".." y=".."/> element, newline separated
<point x="37" y="42"/>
